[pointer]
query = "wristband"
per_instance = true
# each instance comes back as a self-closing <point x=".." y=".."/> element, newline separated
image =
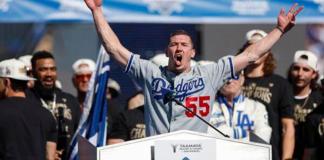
<point x="280" y="29"/>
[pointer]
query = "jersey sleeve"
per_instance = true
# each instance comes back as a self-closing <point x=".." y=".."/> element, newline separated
<point x="140" y="68"/>
<point x="220" y="72"/>
<point x="262" y="127"/>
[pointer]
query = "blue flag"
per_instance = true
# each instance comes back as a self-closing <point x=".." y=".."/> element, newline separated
<point x="93" y="122"/>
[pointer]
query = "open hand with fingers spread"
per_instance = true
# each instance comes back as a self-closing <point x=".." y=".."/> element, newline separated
<point x="287" y="21"/>
<point x="93" y="4"/>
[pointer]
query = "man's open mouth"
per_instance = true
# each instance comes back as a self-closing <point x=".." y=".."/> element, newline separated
<point x="178" y="58"/>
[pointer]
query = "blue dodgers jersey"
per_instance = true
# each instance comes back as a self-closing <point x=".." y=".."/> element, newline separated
<point x="195" y="89"/>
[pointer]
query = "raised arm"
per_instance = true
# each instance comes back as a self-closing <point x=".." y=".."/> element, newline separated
<point x="109" y="39"/>
<point x="284" y="23"/>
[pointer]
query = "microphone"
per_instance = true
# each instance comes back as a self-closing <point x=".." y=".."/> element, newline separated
<point x="169" y="97"/>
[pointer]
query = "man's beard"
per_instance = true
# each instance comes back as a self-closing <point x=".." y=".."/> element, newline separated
<point x="45" y="93"/>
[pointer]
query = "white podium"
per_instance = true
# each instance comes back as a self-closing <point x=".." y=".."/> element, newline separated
<point x="171" y="144"/>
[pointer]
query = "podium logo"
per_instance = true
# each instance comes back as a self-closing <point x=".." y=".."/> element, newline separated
<point x="185" y="158"/>
<point x="174" y="147"/>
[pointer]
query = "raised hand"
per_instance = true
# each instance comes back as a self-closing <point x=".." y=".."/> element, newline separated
<point x="93" y="4"/>
<point x="287" y="21"/>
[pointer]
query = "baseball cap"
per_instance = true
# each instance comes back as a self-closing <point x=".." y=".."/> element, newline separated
<point x="26" y="59"/>
<point x="251" y="35"/>
<point x="306" y="57"/>
<point x="15" y="69"/>
<point x="160" y="59"/>
<point x="83" y="66"/>
<point x="112" y="84"/>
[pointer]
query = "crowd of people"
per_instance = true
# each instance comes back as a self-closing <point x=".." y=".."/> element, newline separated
<point x="239" y="95"/>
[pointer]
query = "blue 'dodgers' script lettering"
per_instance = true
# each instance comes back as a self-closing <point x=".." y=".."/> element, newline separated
<point x="182" y="89"/>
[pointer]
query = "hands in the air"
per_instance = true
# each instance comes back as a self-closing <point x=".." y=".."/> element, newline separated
<point x="93" y="4"/>
<point x="287" y="21"/>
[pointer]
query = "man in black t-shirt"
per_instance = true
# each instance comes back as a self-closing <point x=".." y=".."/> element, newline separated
<point x="276" y="94"/>
<point x="27" y="131"/>
<point x="129" y="125"/>
<point x="63" y="106"/>
<point x="303" y="76"/>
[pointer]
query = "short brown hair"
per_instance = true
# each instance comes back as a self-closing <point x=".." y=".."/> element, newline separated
<point x="182" y="32"/>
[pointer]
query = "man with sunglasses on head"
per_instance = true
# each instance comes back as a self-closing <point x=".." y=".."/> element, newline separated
<point x="83" y="69"/>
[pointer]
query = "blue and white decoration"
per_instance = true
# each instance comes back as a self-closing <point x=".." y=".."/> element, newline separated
<point x="93" y="122"/>
<point x="159" y="11"/>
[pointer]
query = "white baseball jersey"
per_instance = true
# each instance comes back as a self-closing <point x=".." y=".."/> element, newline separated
<point x="196" y="89"/>
<point x="245" y="116"/>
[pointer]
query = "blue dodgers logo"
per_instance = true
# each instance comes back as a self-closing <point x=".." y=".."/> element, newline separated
<point x="182" y="89"/>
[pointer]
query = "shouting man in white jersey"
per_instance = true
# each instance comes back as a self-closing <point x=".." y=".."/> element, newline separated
<point x="196" y="86"/>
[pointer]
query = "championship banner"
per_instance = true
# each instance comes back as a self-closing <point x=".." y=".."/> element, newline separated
<point x="159" y="11"/>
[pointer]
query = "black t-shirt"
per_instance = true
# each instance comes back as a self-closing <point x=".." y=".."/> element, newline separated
<point x="114" y="110"/>
<point x="25" y="127"/>
<point x="314" y="131"/>
<point x="129" y="125"/>
<point x="66" y="110"/>
<point x="276" y="94"/>
<point x="303" y="107"/>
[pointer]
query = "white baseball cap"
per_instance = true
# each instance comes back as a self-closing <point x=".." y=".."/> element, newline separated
<point x="252" y="35"/>
<point x="15" y="69"/>
<point x="113" y="84"/>
<point x="160" y="59"/>
<point x="306" y="57"/>
<point x="83" y="66"/>
<point x="26" y="59"/>
<point x="113" y="87"/>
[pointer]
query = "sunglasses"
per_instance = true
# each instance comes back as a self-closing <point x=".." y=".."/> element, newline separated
<point x="81" y="77"/>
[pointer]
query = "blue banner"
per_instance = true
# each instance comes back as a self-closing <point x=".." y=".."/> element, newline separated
<point x="159" y="11"/>
<point x="93" y="122"/>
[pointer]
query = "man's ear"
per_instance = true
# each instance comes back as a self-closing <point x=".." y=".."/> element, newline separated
<point x="315" y="74"/>
<point x="193" y="53"/>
